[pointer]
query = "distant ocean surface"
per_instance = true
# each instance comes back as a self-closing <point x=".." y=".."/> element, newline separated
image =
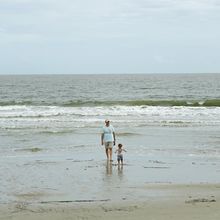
<point x="110" y="90"/>
<point x="60" y="102"/>
<point x="41" y="105"/>
<point x="169" y="124"/>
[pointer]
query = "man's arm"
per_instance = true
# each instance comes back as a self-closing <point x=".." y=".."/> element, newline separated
<point x="102" y="137"/>
<point x="114" y="137"/>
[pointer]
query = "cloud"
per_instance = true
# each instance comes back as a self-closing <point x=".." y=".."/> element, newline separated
<point x="160" y="59"/>
<point x="2" y="30"/>
<point x="77" y="19"/>
<point x="94" y="30"/>
<point x="83" y="18"/>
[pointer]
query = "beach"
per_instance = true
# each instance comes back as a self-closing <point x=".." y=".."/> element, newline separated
<point x="109" y="110"/>
<point x="178" y="202"/>
<point x="84" y="188"/>
<point x="52" y="164"/>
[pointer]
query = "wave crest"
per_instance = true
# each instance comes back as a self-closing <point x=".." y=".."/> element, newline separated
<point x="79" y="103"/>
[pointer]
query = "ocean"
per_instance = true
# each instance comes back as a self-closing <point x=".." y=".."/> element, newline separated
<point x="50" y="129"/>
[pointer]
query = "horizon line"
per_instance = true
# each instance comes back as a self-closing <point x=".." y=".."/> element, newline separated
<point x="158" y="73"/>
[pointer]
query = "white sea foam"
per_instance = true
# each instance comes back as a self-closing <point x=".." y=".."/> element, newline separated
<point x="49" y="116"/>
<point x="36" y="111"/>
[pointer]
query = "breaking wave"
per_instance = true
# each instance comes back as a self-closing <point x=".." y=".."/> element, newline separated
<point x="79" y="103"/>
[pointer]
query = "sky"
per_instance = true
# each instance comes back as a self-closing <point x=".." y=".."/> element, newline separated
<point x="109" y="36"/>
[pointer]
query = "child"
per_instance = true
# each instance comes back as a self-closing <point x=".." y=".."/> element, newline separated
<point x="119" y="154"/>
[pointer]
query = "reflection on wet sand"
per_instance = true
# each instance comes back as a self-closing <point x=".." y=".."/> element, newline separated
<point x="108" y="168"/>
<point x="120" y="170"/>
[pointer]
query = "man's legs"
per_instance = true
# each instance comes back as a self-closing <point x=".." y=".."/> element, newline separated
<point x="108" y="150"/>
<point x="110" y="154"/>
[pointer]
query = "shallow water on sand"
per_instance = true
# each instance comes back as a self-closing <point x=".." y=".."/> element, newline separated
<point x="72" y="166"/>
<point x="50" y="135"/>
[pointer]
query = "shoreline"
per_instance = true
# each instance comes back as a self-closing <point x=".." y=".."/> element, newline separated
<point x="178" y="201"/>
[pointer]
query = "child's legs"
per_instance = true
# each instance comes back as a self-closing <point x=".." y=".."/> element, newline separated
<point x="118" y="159"/>
<point x="121" y="159"/>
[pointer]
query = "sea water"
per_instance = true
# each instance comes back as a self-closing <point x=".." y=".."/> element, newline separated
<point x="50" y="128"/>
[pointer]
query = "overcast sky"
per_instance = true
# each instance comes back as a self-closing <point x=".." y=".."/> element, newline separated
<point x="109" y="36"/>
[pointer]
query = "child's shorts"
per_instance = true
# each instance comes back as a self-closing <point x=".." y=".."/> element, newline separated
<point x="120" y="157"/>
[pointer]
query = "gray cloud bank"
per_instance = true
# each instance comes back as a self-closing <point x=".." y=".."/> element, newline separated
<point x="109" y="36"/>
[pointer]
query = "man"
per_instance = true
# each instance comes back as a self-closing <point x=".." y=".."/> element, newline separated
<point x="108" y="138"/>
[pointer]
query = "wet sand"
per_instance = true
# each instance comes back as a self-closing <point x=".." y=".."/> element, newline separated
<point x="182" y="202"/>
<point x="68" y="184"/>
